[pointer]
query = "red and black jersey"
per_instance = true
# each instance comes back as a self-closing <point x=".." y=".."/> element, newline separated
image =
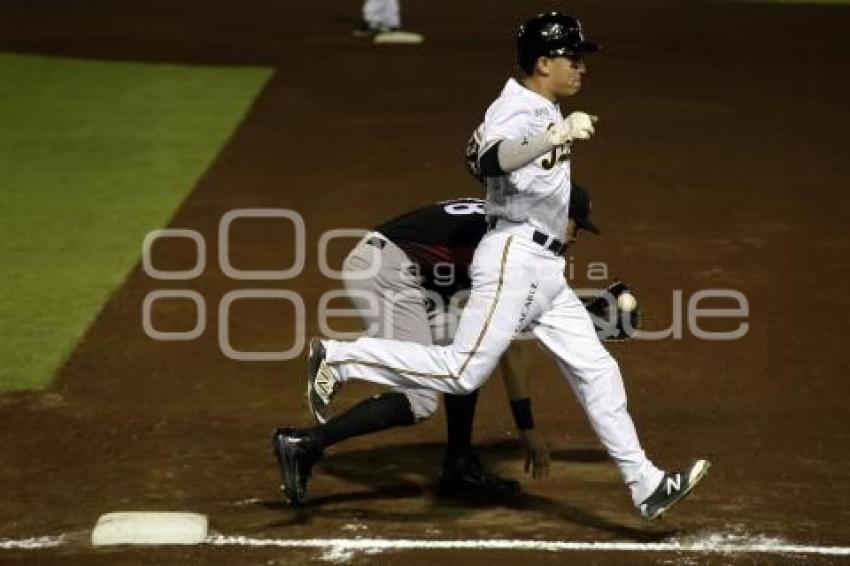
<point x="440" y="240"/>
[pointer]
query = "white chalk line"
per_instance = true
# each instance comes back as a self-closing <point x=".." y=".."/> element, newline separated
<point x="717" y="544"/>
<point x="713" y="544"/>
<point x="32" y="543"/>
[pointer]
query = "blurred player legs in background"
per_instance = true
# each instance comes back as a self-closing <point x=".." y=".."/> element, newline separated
<point x="382" y="24"/>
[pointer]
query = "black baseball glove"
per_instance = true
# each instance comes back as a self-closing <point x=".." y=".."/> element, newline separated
<point x="613" y="324"/>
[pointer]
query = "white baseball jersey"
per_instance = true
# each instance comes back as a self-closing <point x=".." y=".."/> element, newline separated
<point x="538" y="193"/>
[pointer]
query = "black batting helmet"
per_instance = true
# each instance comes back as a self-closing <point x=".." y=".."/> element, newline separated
<point x="550" y="35"/>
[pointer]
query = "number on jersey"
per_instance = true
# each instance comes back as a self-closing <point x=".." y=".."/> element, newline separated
<point x="464" y="207"/>
<point x="559" y="154"/>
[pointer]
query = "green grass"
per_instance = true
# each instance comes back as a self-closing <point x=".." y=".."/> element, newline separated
<point x="93" y="155"/>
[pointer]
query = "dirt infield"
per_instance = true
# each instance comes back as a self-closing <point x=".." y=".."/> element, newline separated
<point x="720" y="163"/>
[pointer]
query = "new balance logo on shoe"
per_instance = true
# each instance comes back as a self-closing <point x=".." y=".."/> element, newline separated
<point x="325" y="383"/>
<point x="672" y="488"/>
<point x="674" y="483"/>
<point x="321" y="382"/>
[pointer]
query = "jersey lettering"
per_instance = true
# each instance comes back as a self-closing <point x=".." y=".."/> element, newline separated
<point x="559" y="154"/>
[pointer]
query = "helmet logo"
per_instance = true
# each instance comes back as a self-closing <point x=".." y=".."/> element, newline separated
<point x="553" y="31"/>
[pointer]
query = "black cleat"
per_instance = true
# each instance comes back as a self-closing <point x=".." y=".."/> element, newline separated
<point x="673" y="488"/>
<point x="296" y="452"/>
<point x="322" y="384"/>
<point x="464" y="476"/>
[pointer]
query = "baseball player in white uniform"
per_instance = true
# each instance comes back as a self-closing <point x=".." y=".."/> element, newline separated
<point x="517" y="271"/>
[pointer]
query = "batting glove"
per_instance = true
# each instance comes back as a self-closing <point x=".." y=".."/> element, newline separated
<point x="576" y="126"/>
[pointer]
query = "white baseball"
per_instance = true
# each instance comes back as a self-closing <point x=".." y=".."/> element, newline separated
<point x="626" y="302"/>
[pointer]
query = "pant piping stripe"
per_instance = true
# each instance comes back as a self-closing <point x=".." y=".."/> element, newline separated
<point x="389" y="368"/>
<point x="477" y="342"/>
<point x="492" y="307"/>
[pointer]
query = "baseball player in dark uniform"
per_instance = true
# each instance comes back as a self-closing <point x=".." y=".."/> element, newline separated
<point x="407" y="278"/>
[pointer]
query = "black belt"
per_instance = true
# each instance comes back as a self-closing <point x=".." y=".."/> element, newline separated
<point x="377" y="242"/>
<point x="554" y="245"/>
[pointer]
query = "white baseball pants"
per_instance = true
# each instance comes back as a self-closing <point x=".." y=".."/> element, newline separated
<point x="516" y="285"/>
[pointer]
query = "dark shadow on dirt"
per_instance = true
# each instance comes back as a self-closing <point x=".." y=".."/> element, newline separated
<point x="401" y="472"/>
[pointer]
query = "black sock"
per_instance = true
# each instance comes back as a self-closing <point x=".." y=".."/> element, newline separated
<point x="376" y="413"/>
<point x="460" y="412"/>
